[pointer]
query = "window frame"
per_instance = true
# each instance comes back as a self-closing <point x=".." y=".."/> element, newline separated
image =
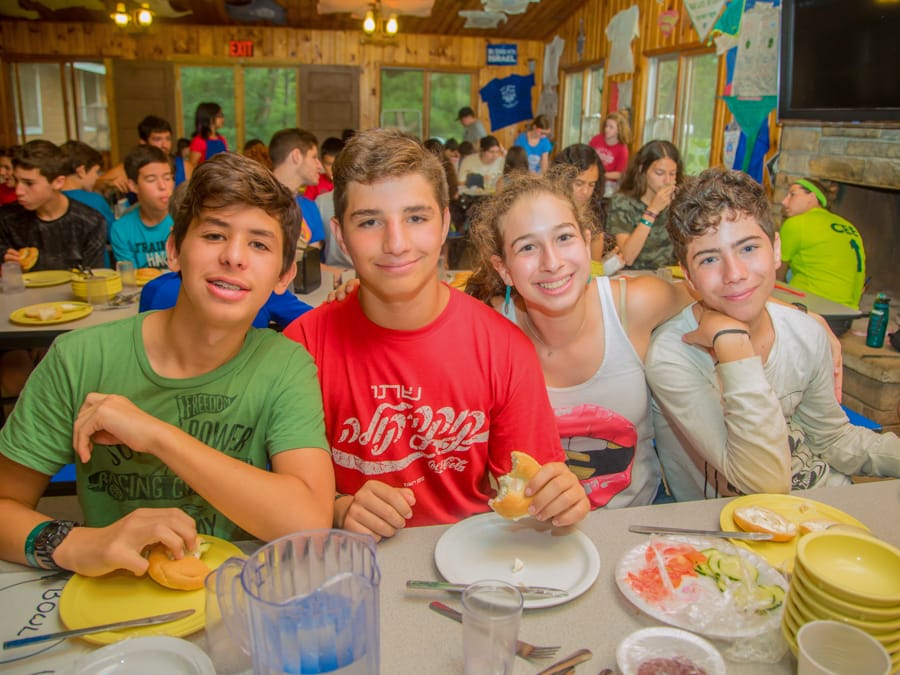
<point x="427" y="71"/>
<point x="588" y="74"/>
<point x="650" y="67"/>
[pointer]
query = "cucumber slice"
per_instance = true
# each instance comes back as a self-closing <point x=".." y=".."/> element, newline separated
<point x="736" y="569"/>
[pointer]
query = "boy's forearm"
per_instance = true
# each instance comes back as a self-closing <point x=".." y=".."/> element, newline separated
<point x="265" y="503"/>
<point x="18" y="520"/>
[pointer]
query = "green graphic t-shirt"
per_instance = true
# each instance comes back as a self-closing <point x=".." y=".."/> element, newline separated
<point x="264" y="401"/>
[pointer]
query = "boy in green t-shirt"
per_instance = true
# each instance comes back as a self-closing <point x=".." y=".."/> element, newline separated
<point x="175" y="415"/>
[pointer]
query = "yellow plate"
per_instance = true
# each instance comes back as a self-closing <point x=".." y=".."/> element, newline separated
<point x="118" y="596"/>
<point x="780" y="555"/>
<point x="46" y="278"/>
<point x="76" y="310"/>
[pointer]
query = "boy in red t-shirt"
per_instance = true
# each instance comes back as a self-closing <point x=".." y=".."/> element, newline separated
<point x="426" y="390"/>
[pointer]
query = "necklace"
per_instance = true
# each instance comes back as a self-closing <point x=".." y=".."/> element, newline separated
<point x="550" y="350"/>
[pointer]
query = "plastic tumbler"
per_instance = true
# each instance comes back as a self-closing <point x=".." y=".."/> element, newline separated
<point x="12" y="281"/>
<point x="491" y="613"/>
<point x="125" y="268"/>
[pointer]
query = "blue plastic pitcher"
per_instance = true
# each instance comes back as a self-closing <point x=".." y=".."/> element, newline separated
<point x="305" y="603"/>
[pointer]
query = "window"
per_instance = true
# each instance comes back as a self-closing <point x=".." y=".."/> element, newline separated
<point x="209" y="85"/>
<point x="424" y="103"/>
<point x="681" y="99"/>
<point x="582" y="105"/>
<point x="273" y="103"/>
<point x="60" y="101"/>
<point x="90" y="103"/>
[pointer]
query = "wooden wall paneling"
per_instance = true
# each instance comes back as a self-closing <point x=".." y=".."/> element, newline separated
<point x="203" y="45"/>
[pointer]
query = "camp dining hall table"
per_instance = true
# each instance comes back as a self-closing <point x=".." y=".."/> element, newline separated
<point x="17" y="336"/>
<point x="415" y="640"/>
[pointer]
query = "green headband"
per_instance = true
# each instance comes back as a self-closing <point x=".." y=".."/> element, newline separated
<point x="809" y="187"/>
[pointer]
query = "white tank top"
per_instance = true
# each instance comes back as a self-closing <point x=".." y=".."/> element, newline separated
<point x="620" y="387"/>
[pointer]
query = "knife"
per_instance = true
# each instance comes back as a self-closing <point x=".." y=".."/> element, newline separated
<point x="655" y="529"/>
<point x="569" y="662"/>
<point x="116" y="625"/>
<point x="543" y="591"/>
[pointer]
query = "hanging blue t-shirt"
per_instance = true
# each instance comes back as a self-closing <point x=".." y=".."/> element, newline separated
<point x="508" y="100"/>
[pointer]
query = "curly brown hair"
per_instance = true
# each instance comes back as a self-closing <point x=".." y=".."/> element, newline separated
<point x="486" y="233"/>
<point x="700" y="204"/>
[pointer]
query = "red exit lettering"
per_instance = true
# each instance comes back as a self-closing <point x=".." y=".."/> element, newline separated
<point x="241" y="48"/>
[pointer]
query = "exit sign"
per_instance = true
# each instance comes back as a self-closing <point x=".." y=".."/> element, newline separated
<point x="241" y="48"/>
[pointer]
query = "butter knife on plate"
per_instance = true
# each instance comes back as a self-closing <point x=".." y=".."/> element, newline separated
<point x="654" y="529"/>
<point x="116" y="625"/>
<point x="542" y="591"/>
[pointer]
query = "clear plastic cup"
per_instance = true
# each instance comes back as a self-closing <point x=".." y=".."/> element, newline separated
<point x="126" y="270"/>
<point x="491" y="613"/>
<point x="12" y="280"/>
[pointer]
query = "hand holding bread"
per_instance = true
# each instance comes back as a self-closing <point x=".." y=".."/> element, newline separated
<point x="546" y="492"/>
<point x="185" y="574"/>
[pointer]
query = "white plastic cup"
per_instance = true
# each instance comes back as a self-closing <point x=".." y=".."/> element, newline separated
<point x="491" y="613"/>
<point x="835" y="648"/>
<point x="12" y="280"/>
<point x="126" y="270"/>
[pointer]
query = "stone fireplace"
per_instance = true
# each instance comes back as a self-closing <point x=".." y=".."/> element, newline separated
<point x="861" y="165"/>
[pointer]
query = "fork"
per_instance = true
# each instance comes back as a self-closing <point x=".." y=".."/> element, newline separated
<point x="525" y="650"/>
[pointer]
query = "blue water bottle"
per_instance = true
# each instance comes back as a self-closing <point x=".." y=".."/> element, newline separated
<point x="878" y="321"/>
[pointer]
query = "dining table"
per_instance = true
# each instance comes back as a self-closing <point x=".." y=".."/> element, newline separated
<point x="19" y="336"/>
<point x="414" y="639"/>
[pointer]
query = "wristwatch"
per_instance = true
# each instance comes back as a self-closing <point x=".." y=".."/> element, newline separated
<point x="49" y="538"/>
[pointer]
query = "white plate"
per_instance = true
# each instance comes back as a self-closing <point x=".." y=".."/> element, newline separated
<point x="138" y="656"/>
<point x="649" y="643"/>
<point x="697" y="604"/>
<point x="486" y="546"/>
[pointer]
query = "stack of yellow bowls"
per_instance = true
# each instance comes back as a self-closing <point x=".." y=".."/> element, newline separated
<point x="850" y="577"/>
<point x="112" y="281"/>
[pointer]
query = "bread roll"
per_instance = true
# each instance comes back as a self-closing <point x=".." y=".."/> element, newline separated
<point x="816" y="525"/>
<point x="186" y="574"/>
<point x="47" y="313"/>
<point x="761" y="519"/>
<point x="147" y="273"/>
<point x="28" y="257"/>
<point x="511" y="501"/>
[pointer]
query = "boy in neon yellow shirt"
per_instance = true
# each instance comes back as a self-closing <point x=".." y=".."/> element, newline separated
<point x="823" y="251"/>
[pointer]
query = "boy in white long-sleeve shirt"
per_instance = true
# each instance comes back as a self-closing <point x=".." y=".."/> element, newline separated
<point x="745" y="386"/>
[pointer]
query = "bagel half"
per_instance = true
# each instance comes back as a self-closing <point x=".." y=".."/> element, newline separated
<point x="511" y="501"/>
<point x="28" y="257"/>
<point x="186" y="574"/>
<point x="761" y="519"/>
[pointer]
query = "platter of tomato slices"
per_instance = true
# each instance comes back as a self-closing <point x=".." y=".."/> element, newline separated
<point x="708" y="586"/>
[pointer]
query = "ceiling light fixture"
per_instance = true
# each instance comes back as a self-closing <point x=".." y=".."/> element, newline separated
<point x="139" y="18"/>
<point x="379" y="28"/>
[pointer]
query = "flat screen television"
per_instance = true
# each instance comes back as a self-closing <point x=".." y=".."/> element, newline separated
<point x="840" y="60"/>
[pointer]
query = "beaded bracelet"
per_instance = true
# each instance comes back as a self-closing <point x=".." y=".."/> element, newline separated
<point x="651" y="214"/>
<point x="29" y="543"/>
<point x="644" y="221"/>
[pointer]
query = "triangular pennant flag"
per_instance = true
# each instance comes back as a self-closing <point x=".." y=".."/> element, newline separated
<point x="703" y="14"/>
